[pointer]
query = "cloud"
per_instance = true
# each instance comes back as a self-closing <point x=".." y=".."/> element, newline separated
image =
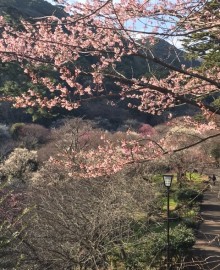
<point x="176" y="41"/>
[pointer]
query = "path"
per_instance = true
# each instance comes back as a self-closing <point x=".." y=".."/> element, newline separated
<point x="206" y="251"/>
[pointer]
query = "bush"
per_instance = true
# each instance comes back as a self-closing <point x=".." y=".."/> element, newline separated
<point x="30" y="135"/>
<point x="181" y="241"/>
<point x="191" y="222"/>
<point x="18" y="165"/>
<point x="33" y="134"/>
<point x="16" y="129"/>
<point x="191" y="217"/>
<point x="186" y="194"/>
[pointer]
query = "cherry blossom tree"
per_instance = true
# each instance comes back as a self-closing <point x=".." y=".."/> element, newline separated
<point x="104" y="31"/>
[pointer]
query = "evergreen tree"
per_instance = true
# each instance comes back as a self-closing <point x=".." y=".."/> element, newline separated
<point x="204" y="41"/>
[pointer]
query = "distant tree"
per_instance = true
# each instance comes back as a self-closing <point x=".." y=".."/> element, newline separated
<point x="146" y="130"/>
<point x="203" y="41"/>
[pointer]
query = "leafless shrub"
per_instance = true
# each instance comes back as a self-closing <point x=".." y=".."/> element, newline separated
<point x="33" y="134"/>
<point x="73" y="135"/>
<point x="6" y="147"/>
<point x="80" y="222"/>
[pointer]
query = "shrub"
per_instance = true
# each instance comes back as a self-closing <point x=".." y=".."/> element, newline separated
<point x="189" y="194"/>
<point x="146" y="130"/>
<point x="33" y="134"/>
<point x="30" y="135"/>
<point x="191" y="222"/>
<point x="19" y="163"/>
<point x="112" y="220"/>
<point x="16" y="129"/>
<point x="181" y="241"/>
<point x="191" y="217"/>
<point x="6" y="147"/>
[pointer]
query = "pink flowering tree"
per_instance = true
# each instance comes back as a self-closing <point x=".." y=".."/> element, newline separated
<point x="147" y="130"/>
<point x="107" y="32"/>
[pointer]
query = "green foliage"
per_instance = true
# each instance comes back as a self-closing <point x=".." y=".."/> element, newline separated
<point x="12" y="79"/>
<point x="149" y="251"/>
<point x="15" y="130"/>
<point x="190" y="217"/>
<point x="195" y="177"/>
<point x="172" y="204"/>
<point x="14" y="82"/>
<point x="216" y="103"/>
<point x="135" y="256"/>
<point x="181" y="240"/>
<point x="205" y="43"/>
<point x="200" y="118"/>
<point x="38" y="114"/>
<point x="191" y="222"/>
<point x="188" y="194"/>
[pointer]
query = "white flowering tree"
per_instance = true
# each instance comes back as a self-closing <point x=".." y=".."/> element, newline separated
<point x="18" y="165"/>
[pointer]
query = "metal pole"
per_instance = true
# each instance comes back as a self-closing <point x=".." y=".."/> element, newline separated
<point x="168" y="228"/>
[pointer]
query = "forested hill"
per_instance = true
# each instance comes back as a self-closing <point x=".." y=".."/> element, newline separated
<point x="29" y="8"/>
<point x="134" y="66"/>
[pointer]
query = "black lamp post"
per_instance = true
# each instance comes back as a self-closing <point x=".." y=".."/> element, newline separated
<point x="167" y="182"/>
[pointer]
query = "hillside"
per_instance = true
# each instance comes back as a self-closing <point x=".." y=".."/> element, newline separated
<point x="29" y="8"/>
<point x="134" y="66"/>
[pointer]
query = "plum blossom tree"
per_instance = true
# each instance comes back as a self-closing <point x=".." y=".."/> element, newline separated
<point x="16" y="167"/>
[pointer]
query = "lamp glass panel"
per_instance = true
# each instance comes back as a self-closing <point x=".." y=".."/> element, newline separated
<point x="167" y="180"/>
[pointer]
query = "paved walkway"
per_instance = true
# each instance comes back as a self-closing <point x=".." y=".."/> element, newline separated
<point x="206" y="252"/>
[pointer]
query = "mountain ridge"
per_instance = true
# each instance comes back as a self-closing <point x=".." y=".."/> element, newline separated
<point x="30" y="8"/>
